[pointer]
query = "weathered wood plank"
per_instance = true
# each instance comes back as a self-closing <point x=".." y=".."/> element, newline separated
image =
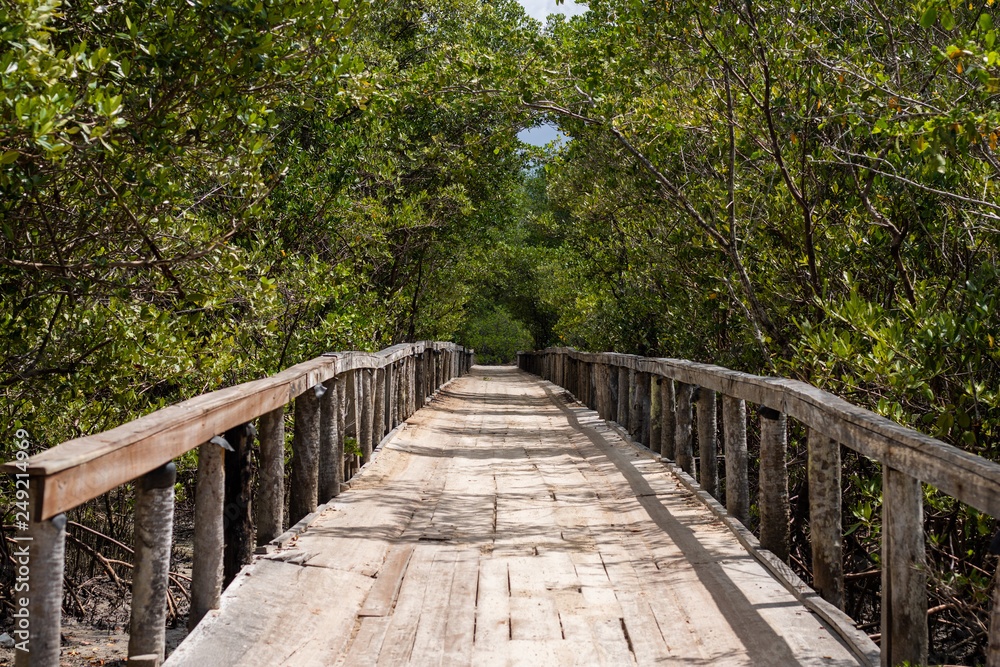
<point x="209" y="537"/>
<point x="683" y="447"/>
<point x="707" y="444"/>
<point x="774" y="510"/>
<point x="734" y="424"/>
<point x="825" y="522"/>
<point x="383" y="594"/>
<point x="154" y="522"/>
<point x="904" y="571"/>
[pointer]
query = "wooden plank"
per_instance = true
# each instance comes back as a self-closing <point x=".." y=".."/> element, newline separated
<point x="460" y="623"/>
<point x="826" y="528"/>
<point x="383" y="594"/>
<point x="904" y="571"/>
<point x="367" y="644"/>
<point x="492" y="607"/>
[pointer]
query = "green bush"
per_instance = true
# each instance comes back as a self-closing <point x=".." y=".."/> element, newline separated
<point x="496" y="336"/>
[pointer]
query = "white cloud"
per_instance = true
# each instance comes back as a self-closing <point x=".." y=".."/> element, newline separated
<point x="539" y="9"/>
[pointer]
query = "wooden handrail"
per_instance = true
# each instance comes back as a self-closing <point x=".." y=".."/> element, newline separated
<point x="82" y="469"/>
<point x="360" y="394"/>
<point x="966" y="477"/>
<point x="908" y="457"/>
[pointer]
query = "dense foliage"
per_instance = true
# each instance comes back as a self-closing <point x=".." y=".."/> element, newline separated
<point x="195" y="193"/>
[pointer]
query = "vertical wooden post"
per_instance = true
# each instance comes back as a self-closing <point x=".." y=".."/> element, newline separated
<point x="904" y="572"/>
<point x="419" y="382"/>
<point x="328" y="482"/>
<point x="774" y="510"/>
<point x="683" y="447"/>
<point x="352" y="420"/>
<point x="238" y="521"/>
<point x="635" y="404"/>
<point x="655" y="412"/>
<point x="367" y="409"/>
<point x="734" y="424"/>
<point x="623" y="397"/>
<point x="209" y="532"/>
<point x="605" y="406"/>
<point x="270" y="505"/>
<point x="154" y="524"/>
<point x="668" y="419"/>
<point x="825" y="522"/>
<point x="707" y="441"/>
<point x="390" y="397"/>
<point x="304" y="478"/>
<point x="378" y="416"/>
<point x="39" y="622"/>
<point x="340" y="408"/>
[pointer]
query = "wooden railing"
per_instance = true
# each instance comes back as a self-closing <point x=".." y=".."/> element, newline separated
<point x="653" y="398"/>
<point x="344" y="394"/>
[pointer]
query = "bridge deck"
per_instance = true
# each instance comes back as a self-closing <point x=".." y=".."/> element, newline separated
<point x="506" y="526"/>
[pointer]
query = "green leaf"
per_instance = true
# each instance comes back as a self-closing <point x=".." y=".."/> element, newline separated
<point x="8" y="157"/>
<point x="929" y="17"/>
<point x="947" y="20"/>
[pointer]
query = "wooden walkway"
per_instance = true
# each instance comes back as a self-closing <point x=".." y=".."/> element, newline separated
<point x="506" y="525"/>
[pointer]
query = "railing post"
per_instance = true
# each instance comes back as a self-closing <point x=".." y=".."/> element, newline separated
<point x="209" y="532"/>
<point x="640" y="412"/>
<point x="707" y="441"/>
<point x="734" y="424"/>
<point x="367" y="409"/>
<point x="154" y="523"/>
<point x="238" y="522"/>
<point x="655" y="414"/>
<point x="352" y="420"/>
<point x="623" y="405"/>
<point x="328" y="485"/>
<point x="378" y="416"/>
<point x="304" y="478"/>
<point x="683" y="447"/>
<point x="774" y="511"/>
<point x="270" y="505"/>
<point x="39" y="623"/>
<point x="419" y="381"/>
<point x="668" y="419"/>
<point x="340" y="410"/>
<point x="635" y="405"/>
<point x="825" y="522"/>
<point x="904" y="572"/>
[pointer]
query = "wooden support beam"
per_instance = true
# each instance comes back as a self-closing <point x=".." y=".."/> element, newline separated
<point x="683" y="447"/>
<point x="904" y="571"/>
<point x="38" y="623"/>
<point x="668" y="419"/>
<point x="304" y="478"/>
<point x="734" y="424"/>
<point x="269" y="507"/>
<point x="237" y="519"/>
<point x="655" y="414"/>
<point x="378" y="413"/>
<point x="352" y="420"/>
<point x="825" y="523"/>
<point x="154" y="524"/>
<point x="623" y="398"/>
<point x="774" y="510"/>
<point x="367" y="415"/>
<point x="708" y="441"/>
<point x="330" y="441"/>
<point x="209" y="532"/>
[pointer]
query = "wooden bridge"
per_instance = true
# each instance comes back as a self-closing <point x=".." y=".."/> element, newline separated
<point x="546" y="514"/>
